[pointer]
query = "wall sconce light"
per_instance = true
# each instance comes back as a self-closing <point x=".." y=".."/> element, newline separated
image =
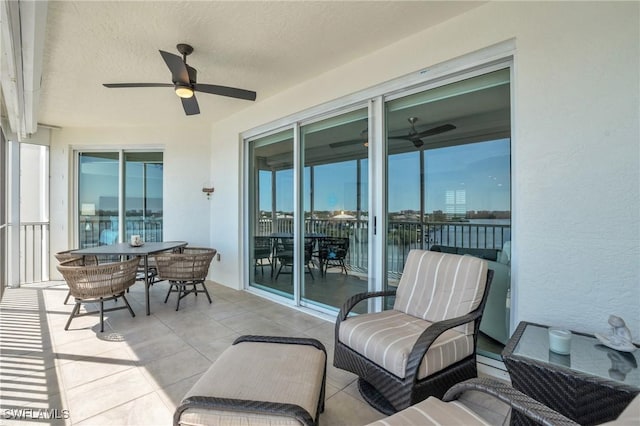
<point x="208" y="190"/>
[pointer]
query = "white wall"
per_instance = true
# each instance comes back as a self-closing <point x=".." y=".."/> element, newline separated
<point x="576" y="150"/>
<point x="186" y="167"/>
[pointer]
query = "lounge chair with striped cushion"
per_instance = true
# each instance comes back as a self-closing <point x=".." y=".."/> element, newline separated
<point x="427" y="342"/>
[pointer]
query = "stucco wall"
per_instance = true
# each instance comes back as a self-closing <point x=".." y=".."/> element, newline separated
<point x="186" y="167"/>
<point x="576" y="150"/>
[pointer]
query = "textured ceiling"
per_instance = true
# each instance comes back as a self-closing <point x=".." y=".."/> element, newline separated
<point x="262" y="46"/>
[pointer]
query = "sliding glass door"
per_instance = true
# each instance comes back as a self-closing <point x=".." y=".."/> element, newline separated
<point x="335" y="207"/>
<point x="441" y="153"/>
<point x="119" y="195"/>
<point x="143" y="195"/>
<point x="98" y="198"/>
<point x="449" y="183"/>
<point x="271" y="218"/>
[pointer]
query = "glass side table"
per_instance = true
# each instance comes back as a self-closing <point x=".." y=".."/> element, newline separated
<point x="591" y="385"/>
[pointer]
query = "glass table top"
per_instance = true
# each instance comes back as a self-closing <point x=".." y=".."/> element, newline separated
<point x="587" y="355"/>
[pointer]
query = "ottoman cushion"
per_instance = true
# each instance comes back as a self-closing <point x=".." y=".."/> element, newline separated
<point x="254" y="374"/>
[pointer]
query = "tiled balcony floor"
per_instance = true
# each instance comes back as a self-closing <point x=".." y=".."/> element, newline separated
<point x="137" y="371"/>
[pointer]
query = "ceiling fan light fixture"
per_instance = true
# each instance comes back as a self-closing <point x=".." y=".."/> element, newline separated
<point x="184" y="91"/>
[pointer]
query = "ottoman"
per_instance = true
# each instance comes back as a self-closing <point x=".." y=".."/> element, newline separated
<point x="259" y="380"/>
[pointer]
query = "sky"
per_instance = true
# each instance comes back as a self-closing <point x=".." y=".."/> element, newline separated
<point x="459" y="178"/>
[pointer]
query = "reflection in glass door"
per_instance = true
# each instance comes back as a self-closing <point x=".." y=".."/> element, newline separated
<point x="143" y="195"/>
<point x="449" y="182"/>
<point x="335" y="196"/>
<point x="271" y="209"/>
<point x="98" y="192"/>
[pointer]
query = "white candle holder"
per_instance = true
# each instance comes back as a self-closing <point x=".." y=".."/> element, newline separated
<point x="559" y="341"/>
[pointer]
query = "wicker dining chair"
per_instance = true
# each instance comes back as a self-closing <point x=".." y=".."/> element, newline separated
<point x="186" y="269"/>
<point x="98" y="284"/>
<point x="63" y="256"/>
<point x="427" y="342"/>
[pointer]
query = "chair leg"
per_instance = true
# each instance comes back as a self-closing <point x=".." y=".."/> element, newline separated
<point x="66" y="299"/>
<point x="126" y="302"/>
<point x="310" y="273"/>
<point x="102" y="315"/>
<point x="180" y="290"/>
<point x="280" y="269"/>
<point x="204" y="287"/>
<point x="169" y="292"/>
<point x="74" y="311"/>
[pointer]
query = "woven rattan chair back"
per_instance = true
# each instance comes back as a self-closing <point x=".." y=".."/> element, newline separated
<point x="98" y="283"/>
<point x="66" y="255"/>
<point x="185" y="270"/>
<point x="63" y="256"/>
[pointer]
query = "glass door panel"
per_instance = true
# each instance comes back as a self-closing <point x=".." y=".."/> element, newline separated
<point x="271" y="213"/>
<point x="335" y="196"/>
<point x="98" y="192"/>
<point x="143" y="195"/>
<point x="449" y="179"/>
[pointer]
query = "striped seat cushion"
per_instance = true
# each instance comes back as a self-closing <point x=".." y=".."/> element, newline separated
<point x="431" y="412"/>
<point x="387" y="337"/>
<point x="438" y="286"/>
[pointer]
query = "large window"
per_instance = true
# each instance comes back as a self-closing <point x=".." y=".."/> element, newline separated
<point x="119" y="195"/>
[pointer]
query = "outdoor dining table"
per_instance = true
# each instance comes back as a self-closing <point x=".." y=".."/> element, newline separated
<point x="126" y="249"/>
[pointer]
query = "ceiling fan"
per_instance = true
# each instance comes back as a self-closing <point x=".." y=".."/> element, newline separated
<point x="413" y="135"/>
<point x="185" y="82"/>
<point x="416" y="137"/>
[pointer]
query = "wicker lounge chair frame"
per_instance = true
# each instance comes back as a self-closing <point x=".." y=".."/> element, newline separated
<point x="98" y="284"/>
<point x="261" y="407"/>
<point x="526" y="406"/>
<point x="185" y="270"/>
<point x="389" y="393"/>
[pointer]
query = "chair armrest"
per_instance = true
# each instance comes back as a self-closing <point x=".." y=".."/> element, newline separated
<point x="353" y="301"/>
<point x="357" y="298"/>
<point x="428" y="336"/>
<point x="517" y="400"/>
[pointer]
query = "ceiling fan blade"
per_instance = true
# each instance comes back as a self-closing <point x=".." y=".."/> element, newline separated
<point x="347" y="143"/>
<point x="124" y="85"/>
<point x="435" y="131"/>
<point x="190" y="105"/>
<point x="231" y="92"/>
<point x="178" y="68"/>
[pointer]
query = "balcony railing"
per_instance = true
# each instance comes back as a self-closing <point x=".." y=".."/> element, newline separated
<point x="96" y="231"/>
<point x="34" y="252"/>
<point x="34" y="242"/>
<point x="402" y="236"/>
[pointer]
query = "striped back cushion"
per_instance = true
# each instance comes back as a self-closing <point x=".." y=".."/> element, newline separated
<point x="438" y="286"/>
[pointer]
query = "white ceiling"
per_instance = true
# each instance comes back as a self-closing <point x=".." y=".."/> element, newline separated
<point x="263" y="46"/>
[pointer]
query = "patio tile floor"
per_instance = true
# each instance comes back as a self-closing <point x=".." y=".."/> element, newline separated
<point x="138" y="369"/>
